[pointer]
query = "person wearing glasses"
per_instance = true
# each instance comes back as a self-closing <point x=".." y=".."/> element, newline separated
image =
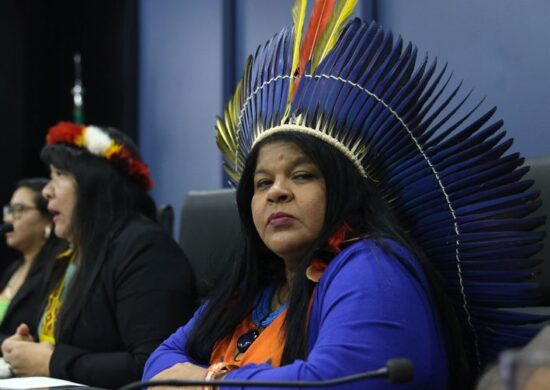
<point x="22" y="289"/>
<point x="127" y="284"/>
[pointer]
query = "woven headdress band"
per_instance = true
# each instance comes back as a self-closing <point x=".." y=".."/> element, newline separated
<point x="99" y="143"/>
<point x="317" y="134"/>
<point x="447" y="176"/>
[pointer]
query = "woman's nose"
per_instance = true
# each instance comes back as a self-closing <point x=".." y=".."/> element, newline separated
<point x="47" y="191"/>
<point x="279" y="192"/>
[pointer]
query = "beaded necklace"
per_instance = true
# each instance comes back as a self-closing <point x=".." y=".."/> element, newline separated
<point x="262" y="316"/>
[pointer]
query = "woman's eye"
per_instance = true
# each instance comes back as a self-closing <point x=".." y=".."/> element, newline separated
<point x="262" y="184"/>
<point x="302" y="176"/>
<point x="59" y="173"/>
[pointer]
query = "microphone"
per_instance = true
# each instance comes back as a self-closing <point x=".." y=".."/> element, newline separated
<point x="6" y="228"/>
<point x="399" y="370"/>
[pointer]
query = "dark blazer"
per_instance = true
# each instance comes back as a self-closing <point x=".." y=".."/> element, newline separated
<point x="26" y="305"/>
<point x="140" y="290"/>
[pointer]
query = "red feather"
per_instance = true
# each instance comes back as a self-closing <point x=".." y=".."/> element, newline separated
<point x="338" y="237"/>
<point x="64" y="132"/>
<point x="322" y="9"/>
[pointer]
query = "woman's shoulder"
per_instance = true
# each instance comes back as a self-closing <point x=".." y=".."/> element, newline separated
<point x="368" y="248"/>
<point x="139" y="230"/>
<point x="139" y="223"/>
<point x="12" y="266"/>
<point x="139" y="237"/>
<point x="9" y="270"/>
<point x="370" y="256"/>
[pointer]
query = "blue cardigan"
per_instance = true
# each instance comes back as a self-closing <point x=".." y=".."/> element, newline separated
<point x="372" y="304"/>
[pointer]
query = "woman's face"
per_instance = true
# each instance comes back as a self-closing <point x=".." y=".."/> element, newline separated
<point x="289" y="201"/>
<point x="29" y="223"/>
<point x="61" y="194"/>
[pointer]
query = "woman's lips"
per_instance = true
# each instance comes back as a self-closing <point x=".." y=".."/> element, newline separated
<point x="55" y="214"/>
<point x="280" y="219"/>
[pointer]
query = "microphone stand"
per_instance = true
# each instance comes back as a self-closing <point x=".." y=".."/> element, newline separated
<point x="396" y="371"/>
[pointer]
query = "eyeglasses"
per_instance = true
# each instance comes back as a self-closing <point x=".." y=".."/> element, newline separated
<point x="16" y="210"/>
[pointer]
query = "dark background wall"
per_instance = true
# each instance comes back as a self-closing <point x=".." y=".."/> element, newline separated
<point x="497" y="47"/>
<point x="188" y="60"/>
<point x="37" y="42"/>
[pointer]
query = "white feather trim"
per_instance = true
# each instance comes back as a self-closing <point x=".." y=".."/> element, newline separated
<point x="96" y="140"/>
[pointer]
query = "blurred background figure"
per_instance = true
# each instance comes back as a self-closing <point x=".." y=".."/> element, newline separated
<point x="526" y="369"/>
<point x="124" y="286"/>
<point x="21" y="283"/>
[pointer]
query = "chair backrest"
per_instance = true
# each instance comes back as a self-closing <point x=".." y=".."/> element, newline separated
<point x="210" y="233"/>
<point x="165" y="218"/>
<point x="540" y="173"/>
<point x="210" y="229"/>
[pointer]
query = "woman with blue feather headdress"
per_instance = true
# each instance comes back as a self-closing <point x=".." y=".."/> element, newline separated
<point x="378" y="222"/>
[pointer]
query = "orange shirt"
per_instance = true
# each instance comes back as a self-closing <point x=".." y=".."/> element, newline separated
<point x="267" y="348"/>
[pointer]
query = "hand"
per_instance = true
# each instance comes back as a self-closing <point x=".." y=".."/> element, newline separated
<point x="22" y="333"/>
<point x="28" y="358"/>
<point x="184" y="371"/>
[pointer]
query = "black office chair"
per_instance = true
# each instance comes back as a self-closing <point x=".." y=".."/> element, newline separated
<point x="540" y="173"/>
<point x="210" y="229"/>
<point x="210" y="233"/>
<point x="165" y="218"/>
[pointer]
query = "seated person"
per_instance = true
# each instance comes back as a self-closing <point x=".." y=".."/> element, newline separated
<point x="356" y="183"/>
<point x="281" y="315"/>
<point x="21" y="284"/>
<point x="127" y="285"/>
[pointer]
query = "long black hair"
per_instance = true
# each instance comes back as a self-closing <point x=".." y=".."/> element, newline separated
<point x="106" y="198"/>
<point x="353" y="200"/>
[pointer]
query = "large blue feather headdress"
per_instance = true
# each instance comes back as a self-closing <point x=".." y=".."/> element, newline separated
<point x="450" y="178"/>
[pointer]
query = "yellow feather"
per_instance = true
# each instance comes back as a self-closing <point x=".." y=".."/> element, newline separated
<point x="226" y="127"/>
<point x="341" y="14"/>
<point x="223" y="135"/>
<point x="299" y="17"/>
<point x="232" y="174"/>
